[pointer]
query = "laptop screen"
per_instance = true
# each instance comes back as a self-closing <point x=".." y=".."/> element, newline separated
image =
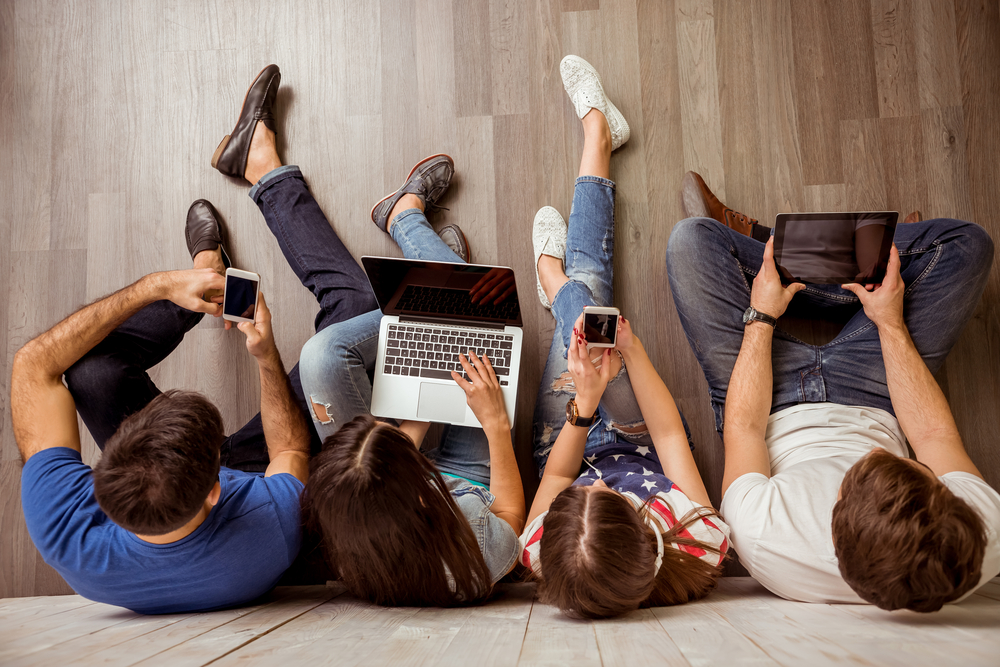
<point x="444" y="291"/>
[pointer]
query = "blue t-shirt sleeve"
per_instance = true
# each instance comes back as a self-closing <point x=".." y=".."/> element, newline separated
<point x="286" y="492"/>
<point x="57" y="495"/>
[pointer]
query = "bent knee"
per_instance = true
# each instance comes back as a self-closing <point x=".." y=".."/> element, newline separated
<point x="95" y="373"/>
<point x="689" y="236"/>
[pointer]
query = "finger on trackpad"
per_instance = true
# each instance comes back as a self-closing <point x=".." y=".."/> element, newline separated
<point x="441" y="403"/>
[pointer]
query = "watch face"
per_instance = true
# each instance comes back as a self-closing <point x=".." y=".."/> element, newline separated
<point x="748" y="314"/>
<point x="570" y="411"/>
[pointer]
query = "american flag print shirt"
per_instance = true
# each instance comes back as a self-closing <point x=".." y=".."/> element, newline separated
<point x="635" y="472"/>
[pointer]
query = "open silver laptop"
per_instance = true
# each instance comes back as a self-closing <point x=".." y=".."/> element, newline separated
<point x="429" y="316"/>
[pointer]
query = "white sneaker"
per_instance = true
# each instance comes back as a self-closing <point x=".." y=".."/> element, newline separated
<point x="583" y="84"/>
<point x="548" y="237"/>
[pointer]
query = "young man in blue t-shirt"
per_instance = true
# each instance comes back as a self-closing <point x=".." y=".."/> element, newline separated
<point x="163" y="523"/>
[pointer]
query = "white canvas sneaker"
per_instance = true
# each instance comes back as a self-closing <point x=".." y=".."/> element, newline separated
<point x="583" y="85"/>
<point x="548" y="237"/>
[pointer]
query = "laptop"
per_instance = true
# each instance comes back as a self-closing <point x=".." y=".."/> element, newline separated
<point x="428" y="318"/>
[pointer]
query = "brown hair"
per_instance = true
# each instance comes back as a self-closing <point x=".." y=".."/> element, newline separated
<point x="389" y="524"/>
<point x="598" y="557"/>
<point x="160" y="465"/>
<point x="903" y="539"/>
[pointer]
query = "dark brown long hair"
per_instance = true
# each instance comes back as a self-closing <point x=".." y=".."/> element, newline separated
<point x="903" y="540"/>
<point x="389" y="525"/>
<point x="598" y="557"/>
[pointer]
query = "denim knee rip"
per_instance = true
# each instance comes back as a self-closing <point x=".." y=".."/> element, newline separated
<point x="321" y="411"/>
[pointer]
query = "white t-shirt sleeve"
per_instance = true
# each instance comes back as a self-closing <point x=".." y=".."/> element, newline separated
<point x="674" y="505"/>
<point x="531" y="544"/>
<point x="986" y="502"/>
<point x="745" y="509"/>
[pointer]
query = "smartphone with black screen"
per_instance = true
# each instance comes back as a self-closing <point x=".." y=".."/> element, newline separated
<point x="242" y="293"/>
<point x="600" y="326"/>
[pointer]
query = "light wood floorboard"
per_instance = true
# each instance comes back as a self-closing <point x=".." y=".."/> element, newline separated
<point x="739" y="624"/>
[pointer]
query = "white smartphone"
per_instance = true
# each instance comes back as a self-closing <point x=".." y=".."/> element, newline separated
<point x="600" y="326"/>
<point x="242" y="293"/>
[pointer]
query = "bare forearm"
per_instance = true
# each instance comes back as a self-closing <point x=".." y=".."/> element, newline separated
<point x="50" y="354"/>
<point x="285" y="427"/>
<point x="748" y="399"/>
<point x="659" y="411"/>
<point x="748" y="403"/>
<point x="919" y="403"/>
<point x="505" y="479"/>
<point x="663" y="420"/>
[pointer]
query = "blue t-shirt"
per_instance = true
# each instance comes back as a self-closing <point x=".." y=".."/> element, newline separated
<point x="240" y="551"/>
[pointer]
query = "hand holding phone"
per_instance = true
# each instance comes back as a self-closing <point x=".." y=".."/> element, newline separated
<point x="260" y="338"/>
<point x="600" y="326"/>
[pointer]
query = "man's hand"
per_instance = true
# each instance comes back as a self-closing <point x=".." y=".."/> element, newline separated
<point x="483" y="392"/>
<point x="590" y="383"/>
<point x="187" y="289"/>
<point x="768" y="295"/>
<point x="884" y="304"/>
<point x="260" y="339"/>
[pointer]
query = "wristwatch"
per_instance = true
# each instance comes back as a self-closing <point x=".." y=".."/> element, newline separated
<point x="754" y="315"/>
<point x="574" y="418"/>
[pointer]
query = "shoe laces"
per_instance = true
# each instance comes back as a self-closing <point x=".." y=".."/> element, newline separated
<point x="732" y="215"/>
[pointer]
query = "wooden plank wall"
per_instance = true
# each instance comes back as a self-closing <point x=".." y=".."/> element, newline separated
<point x="110" y="113"/>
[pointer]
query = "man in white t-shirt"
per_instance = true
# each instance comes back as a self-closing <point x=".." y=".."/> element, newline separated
<point x="823" y="501"/>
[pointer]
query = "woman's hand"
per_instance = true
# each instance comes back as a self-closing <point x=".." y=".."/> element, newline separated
<point x="626" y="340"/>
<point x="482" y="390"/>
<point x="590" y="383"/>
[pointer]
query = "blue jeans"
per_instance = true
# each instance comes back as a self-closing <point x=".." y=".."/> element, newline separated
<point x="110" y="382"/>
<point x="338" y="365"/>
<point x="589" y="252"/>
<point x="944" y="263"/>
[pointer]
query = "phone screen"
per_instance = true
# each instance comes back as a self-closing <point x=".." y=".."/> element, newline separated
<point x="241" y="297"/>
<point x="600" y="328"/>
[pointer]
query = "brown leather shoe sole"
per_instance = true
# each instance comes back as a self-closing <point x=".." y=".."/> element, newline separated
<point x="371" y="214"/>
<point x="225" y="139"/>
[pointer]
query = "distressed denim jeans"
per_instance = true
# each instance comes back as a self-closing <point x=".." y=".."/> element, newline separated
<point x="338" y="365"/>
<point x="589" y="252"/>
<point x="944" y="263"/>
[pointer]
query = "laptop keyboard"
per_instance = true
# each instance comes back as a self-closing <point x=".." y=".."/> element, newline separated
<point x="432" y="352"/>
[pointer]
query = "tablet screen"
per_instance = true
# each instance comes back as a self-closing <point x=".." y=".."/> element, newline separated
<point x="833" y="248"/>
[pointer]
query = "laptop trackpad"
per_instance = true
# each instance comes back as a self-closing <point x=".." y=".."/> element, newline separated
<point x="441" y="403"/>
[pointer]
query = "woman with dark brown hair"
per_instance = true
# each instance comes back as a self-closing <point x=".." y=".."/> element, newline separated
<point x="402" y="526"/>
<point x="610" y="529"/>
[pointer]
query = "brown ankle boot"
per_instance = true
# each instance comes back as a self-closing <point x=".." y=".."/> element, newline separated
<point x="916" y="216"/>
<point x="699" y="202"/>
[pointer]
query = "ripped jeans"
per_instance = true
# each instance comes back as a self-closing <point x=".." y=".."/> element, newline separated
<point x="338" y="363"/>
<point x="589" y="253"/>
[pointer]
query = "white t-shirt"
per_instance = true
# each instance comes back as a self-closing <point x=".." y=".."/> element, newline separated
<point x="781" y="526"/>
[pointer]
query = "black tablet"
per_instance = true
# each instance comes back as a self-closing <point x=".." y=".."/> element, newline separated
<point x="833" y="248"/>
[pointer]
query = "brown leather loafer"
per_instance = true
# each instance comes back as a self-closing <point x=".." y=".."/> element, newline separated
<point x="203" y="231"/>
<point x="700" y="202"/>
<point x="258" y="105"/>
<point x="454" y="238"/>
<point x="429" y="179"/>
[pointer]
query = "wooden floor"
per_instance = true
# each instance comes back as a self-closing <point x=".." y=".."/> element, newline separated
<point x="111" y="111"/>
<point x="738" y="624"/>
